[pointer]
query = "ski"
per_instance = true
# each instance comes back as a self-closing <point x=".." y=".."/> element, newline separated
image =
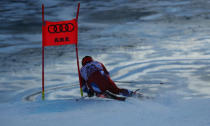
<point x="137" y="94"/>
<point x="109" y="95"/>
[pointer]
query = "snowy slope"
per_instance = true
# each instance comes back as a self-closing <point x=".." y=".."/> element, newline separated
<point x="159" y="46"/>
<point x="159" y="112"/>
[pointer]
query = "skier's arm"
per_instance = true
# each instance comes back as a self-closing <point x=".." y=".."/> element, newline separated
<point x="86" y="89"/>
<point x="84" y="86"/>
<point x="104" y="69"/>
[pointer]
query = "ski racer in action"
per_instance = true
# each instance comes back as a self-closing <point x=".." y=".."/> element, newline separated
<point x="96" y="79"/>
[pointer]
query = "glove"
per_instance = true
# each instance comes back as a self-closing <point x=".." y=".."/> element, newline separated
<point x="90" y="93"/>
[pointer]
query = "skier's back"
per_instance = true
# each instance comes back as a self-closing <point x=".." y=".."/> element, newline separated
<point x="96" y="79"/>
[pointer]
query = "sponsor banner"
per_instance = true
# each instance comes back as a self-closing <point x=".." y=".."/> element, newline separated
<point x="60" y="33"/>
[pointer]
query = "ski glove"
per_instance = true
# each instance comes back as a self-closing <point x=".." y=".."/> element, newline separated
<point x="90" y="93"/>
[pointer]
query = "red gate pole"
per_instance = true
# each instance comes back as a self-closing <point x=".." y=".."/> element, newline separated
<point x="77" y="12"/>
<point x="80" y="80"/>
<point x="43" y="23"/>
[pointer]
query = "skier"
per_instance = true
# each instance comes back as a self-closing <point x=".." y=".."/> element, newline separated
<point x="96" y="79"/>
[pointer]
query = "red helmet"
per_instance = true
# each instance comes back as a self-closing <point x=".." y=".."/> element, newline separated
<point x="86" y="59"/>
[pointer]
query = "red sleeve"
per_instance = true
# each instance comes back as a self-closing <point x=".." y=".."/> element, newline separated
<point x="104" y="69"/>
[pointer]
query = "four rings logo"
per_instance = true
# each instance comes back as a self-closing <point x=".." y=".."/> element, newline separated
<point x="58" y="28"/>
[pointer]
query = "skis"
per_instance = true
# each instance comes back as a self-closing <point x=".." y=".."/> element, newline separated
<point x="137" y="94"/>
<point x="108" y="94"/>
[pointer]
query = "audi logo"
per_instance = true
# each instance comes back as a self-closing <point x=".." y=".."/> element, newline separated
<point x="58" y="28"/>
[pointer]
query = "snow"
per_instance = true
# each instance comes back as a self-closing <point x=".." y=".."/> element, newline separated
<point x="135" y="112"/>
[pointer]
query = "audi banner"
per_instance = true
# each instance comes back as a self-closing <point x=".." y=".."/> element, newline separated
<point x="60" y="33"/>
